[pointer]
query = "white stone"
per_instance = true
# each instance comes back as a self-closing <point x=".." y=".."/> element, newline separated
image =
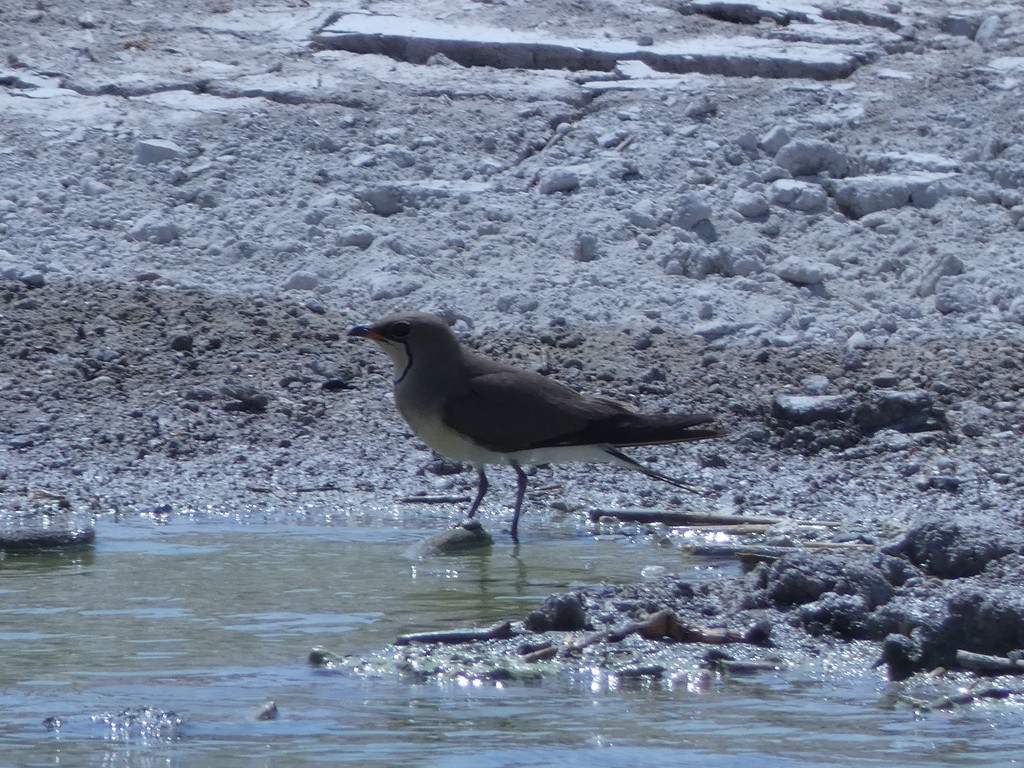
<point x="810" y="157"/>
<point x="93" y="188"/>
<point x="750" y="204"/>
<point x="816" y="385"/>
<point x="359" y="236"/>
<point x="555" y="180"/>
<point x="301" y="280"/>
<point x="156" y="227"/>
<point x="775" y="139"/>
<point x="155" y="150"/>
<point x="393" y="287"/>
<point x="644" y="214"/>
<point x="861" y="195"/>
<point x="803" y="271"/>
<point x="690" y="209"/>
<point x="954" y="294"/>
<point x="798" y="195"/>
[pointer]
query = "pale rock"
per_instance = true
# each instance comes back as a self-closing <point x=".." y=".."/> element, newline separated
<point x="988" y="31"/>
<point x="645" y="214"/>
<point x="702" y="106"/>
<point x="393" y="287"/>
<point x="955" y="295"/>
<point x="775" y="140"/>
<point x="857" y="340"/>
<point x="149" y="151"/>
<point x="555" y="180"/>
<point x="359" y="236"/>
<point x="810" y="157"/>
<point x="690" y="209"/>
<point x="946" y="265"/>
<point x="301" y="280"/>
<point x="158" y="227"/>
<point x="750" y="204"/>
<point x="94" y="188"/>
<point x="798" y="195"/>
<point x="736" y="262"/>
<point x="807" y="409"/>
<point x="717" y="329"/>
<point x="675" y="267"/>
<point x="816" y="385"/>
<point x="802" y="271"/>
<point x="861" y="195"/>
<point x="585" y="248"/>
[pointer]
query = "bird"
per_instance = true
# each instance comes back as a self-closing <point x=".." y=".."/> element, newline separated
<point x="481" y="412"/>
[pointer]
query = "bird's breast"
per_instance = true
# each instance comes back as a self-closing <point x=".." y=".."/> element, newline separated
<point x="427" y="424"/>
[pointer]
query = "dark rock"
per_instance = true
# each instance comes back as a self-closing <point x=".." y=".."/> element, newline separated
<point x="843" y="615"/>
<point x="986" y="620"/>
<point x="947" y="483"/>
<point x="33" y="279"/>
<point x="41" y="533"/>
<point x="244" y="397"/>
<point x="443" y="467"/>
<point x="182" y="342"/>
<point x="951" y="549"/>
<point x="383" y="200"/>
<point x="803" y="578"/>
<point x="807" y="409"/>
<point x="558" y="613"/>
<point x="896" y="570"/>
<point x="200" y="394"/>
<point x="266" y="711"/>
<point x="984" y="615"/>
<point x="901" y="655"/>
<point x="760" y="633"/>
<point x="335" y="384"/>
<point x="906" y="411"/>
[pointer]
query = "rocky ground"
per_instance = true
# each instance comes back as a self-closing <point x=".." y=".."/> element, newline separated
<point x="808" y="222"/>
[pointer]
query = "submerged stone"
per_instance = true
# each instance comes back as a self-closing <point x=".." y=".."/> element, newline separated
<point x="467" y="535"/>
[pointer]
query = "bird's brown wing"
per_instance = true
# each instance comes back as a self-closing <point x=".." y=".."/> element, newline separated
<point x="506" y="410"/>
<point x="510" y="410"/>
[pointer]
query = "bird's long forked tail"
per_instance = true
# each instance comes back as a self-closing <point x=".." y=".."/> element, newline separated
<point x="652" y="430"/>
<point x="618" y="457"/>
<point x="659" y="428"/>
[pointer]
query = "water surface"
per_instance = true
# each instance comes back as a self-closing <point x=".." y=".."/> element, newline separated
<point x="209" y="619"/>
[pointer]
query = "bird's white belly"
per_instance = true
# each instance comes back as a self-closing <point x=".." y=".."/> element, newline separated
<point x="447" y="442"/>
<point x="440" y="437"/>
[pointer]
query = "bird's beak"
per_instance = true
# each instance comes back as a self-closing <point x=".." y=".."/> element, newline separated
<point x="366" y="332"/>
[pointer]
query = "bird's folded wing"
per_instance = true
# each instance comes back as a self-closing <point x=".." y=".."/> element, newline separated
<point x="514" y="411"/>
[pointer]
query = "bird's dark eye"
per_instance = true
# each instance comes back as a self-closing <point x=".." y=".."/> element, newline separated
<point x="399" y="330"/>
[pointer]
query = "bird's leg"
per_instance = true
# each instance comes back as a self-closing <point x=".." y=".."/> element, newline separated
<point x="481" y="489"/>
<point x="521" y="479"/>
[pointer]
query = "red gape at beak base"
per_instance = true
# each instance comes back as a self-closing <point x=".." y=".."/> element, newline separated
<point x="366" y="332"/>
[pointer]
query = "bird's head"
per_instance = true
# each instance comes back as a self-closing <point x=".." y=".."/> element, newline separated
<point x="411" y="336"/>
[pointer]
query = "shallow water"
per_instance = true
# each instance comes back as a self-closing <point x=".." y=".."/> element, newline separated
<point x="210" y="619"/>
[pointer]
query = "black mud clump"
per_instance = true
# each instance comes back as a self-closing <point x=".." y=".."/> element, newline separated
<point x="894" y="597"/>
<point x="950" y="549"/>
<point x="803" y="578"/>
<point x="559" y="613"/>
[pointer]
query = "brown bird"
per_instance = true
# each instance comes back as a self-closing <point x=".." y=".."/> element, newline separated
<point x="476" y="410"/>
